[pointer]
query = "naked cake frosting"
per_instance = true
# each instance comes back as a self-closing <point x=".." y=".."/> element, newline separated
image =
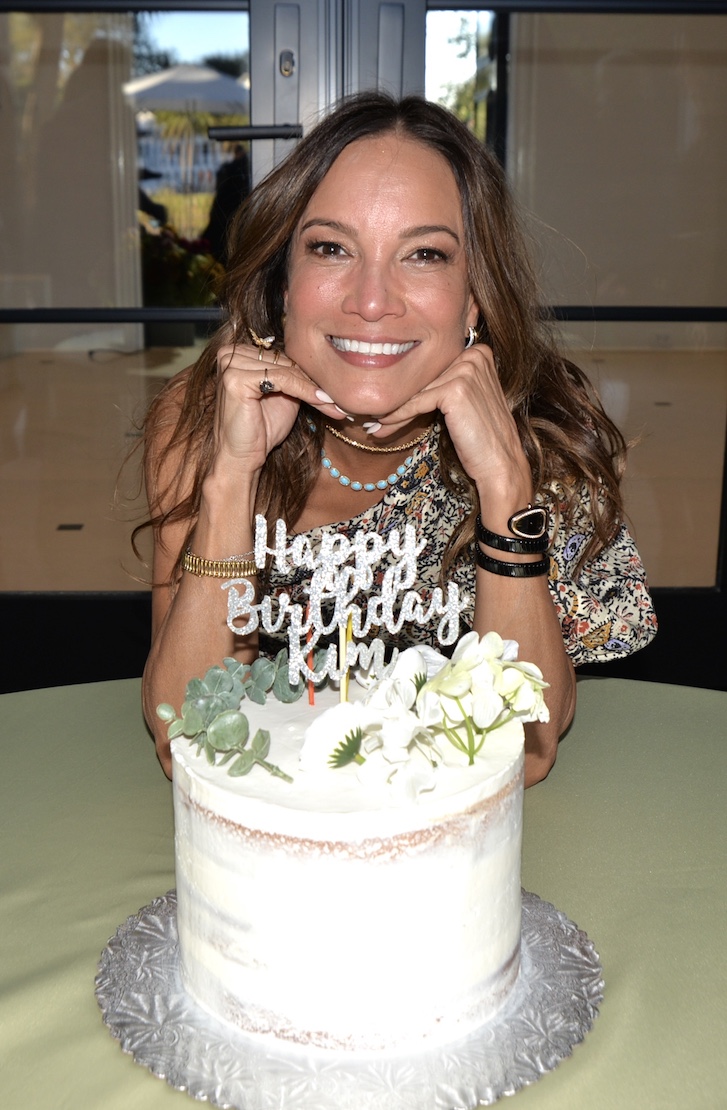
<point x="366" y="896"/>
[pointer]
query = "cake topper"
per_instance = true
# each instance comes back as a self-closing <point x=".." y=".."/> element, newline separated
<point x="341" y="569"/>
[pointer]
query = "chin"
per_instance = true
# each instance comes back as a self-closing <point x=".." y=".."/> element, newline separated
<point x="368" y="407"/>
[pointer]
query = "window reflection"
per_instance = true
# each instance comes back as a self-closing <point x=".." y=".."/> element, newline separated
<point x="460" y="71"/>
<point x="109" y="178"/>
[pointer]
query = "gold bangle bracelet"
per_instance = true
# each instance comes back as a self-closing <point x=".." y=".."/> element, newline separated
<point x="218" y="568"/>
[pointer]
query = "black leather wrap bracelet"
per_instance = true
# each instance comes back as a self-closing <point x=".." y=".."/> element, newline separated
<point x="529" y="529"/>
<point x="512" y="570"/>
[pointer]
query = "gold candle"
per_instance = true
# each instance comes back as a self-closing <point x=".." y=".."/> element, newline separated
<point x="345" y="636"/>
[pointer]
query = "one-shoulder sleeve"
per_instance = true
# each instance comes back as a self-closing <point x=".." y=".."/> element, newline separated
<point x="605" y="608"/>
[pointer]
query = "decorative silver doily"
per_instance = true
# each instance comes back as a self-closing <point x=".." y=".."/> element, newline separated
<point x="552" y="1007"/>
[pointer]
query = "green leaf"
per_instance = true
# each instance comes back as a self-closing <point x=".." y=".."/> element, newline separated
<point x="217" y="680"/>
<point x="237" y="693"/>
<point x="348" y="750"/>
<point x="195" y="689"/>
<point x="260" y="745"/>
<point x="176" y="728"/>
<point x="209" y="751"/>
<point x="228" y="730"/>
<point x="209" y="706"/>
<point x="237" y="669"/>
<point x="242" y="765"/>
<point x="256" y="693"/>
<point x="192" y="721"/>
<point x="229" y="699"/>
<point x="166" y="712"/>
<point x="420" y="680"/>
<point x="262" y="672"/>
<point x="283" y="690"/>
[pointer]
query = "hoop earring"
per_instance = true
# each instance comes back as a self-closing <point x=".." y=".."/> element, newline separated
<point x="471" y="338"/>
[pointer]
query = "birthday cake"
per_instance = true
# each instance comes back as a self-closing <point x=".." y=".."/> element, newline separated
<point x="348" y="865"/>
<point x="373" y="902"/>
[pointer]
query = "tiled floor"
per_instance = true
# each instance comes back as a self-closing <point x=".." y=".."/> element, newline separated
<point x="68" y="420"/>
<point x="69" y="493"/>
<point x="674" y="405"/>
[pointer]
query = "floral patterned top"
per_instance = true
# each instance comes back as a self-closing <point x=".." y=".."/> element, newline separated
<point x="605" y="611"/>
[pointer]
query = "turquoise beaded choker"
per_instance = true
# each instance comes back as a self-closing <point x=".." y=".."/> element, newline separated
<point x="354" y="484"/>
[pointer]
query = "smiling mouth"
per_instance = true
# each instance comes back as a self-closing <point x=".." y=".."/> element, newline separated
<point x="361" y="347"/>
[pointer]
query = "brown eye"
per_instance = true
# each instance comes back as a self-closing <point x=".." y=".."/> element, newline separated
<point x="326" y="249"/>
<point x="429" y="254"/>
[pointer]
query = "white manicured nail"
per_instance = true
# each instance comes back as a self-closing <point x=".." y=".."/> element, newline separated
<point x="372" y="426"/>
<point x="322" y="396"/>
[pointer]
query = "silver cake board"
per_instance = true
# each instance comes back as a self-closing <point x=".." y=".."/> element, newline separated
<point x="550" y="1010"/>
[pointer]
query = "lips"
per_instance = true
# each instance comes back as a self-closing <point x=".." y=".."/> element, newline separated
<point x="363" y="347"/>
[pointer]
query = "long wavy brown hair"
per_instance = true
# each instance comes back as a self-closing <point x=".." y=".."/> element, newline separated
<point x="567" y="437"/>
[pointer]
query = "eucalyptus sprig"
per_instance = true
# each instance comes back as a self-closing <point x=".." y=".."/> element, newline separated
<point x="212" y="718"/>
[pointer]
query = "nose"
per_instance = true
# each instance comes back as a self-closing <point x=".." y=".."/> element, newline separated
<point x="373" y="292"/>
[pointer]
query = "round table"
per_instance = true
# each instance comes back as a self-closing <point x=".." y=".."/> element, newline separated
<point x="626" y="837"/>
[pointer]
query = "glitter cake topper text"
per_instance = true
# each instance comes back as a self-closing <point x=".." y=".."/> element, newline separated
<point x="341" y="569"/>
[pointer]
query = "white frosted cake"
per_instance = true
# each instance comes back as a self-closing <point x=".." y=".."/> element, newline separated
<point x="336" y="913"/>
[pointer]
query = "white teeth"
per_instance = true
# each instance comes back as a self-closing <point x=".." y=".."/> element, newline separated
<point x="361" y="347"/>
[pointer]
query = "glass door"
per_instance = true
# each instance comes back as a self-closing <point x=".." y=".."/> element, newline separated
<point x="611" y="126"/>
<point x="108" y="261"/>
<point x="614" y="146"/>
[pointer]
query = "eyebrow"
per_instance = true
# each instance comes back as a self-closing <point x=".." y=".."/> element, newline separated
<point x="428" y="229"/>
<point x="333" y="224"/>
<point x="407" y="233"/>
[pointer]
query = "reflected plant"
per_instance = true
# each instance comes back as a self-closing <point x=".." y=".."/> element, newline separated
<point x="178" y="272"/>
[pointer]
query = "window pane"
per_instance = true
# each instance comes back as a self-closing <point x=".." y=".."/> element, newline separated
<point x="459" y="72"/>
<point x="616" y="142"/>
<point x="69" y="499"/>
<point x="616" y="149"/>
<point x="672" y="405"/>
<point x="109" y="177"/>
<point x="76" y="151"/>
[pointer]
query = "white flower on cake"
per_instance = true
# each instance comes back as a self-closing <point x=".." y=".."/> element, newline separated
<point x="427" y="710"/>
<point x="347" y="717"/>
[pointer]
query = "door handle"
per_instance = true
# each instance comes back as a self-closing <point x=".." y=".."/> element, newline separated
<point x="260" y="131"/>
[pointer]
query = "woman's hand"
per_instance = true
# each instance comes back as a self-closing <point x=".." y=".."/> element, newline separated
<point x="478" y="418"/>
<point x="250" y="423"/>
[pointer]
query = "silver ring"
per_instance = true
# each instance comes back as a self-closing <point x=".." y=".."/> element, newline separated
<point x="266" y="386"/>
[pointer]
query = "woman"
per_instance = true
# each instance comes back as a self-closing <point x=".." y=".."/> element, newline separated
<point x="382" y="362"/>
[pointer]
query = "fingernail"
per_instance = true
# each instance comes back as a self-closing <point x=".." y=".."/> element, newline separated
<point x="325" y="398"/>
<point x="371" y="425"/>
<point x="342" y="412"/>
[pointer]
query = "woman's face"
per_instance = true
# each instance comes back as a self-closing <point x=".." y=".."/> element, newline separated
<point x="378" y="300"/>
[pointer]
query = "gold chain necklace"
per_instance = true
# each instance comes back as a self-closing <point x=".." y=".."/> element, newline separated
<point x="377" y="450"/>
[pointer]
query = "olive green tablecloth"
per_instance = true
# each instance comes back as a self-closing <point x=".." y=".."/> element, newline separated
<point x="626" y="836"/>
